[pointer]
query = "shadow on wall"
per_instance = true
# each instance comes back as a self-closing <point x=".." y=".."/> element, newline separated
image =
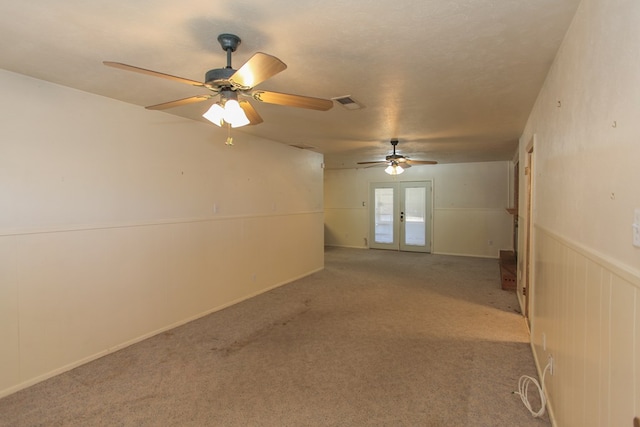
<point x="330" y="238"/>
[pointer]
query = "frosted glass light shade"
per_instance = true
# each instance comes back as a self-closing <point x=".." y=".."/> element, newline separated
<point x="215" y="114"/>
<point x="234" y="114"/>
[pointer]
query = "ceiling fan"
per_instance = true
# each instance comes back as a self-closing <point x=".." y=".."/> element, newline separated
<point x="397" y="163"/>
<point x="228" y="83"/>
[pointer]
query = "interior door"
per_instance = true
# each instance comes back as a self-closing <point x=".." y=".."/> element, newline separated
<point x="400" y="216"/>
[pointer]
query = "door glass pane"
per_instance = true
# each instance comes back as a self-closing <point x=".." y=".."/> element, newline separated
<point x="384" y="215"/>
<point x="415" y="222"/>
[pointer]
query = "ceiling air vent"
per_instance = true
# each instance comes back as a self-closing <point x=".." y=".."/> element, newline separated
<point x="348" y="102"/>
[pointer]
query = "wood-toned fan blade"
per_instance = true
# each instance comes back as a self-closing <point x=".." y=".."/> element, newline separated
<point x="179" y="102"/>
<point x="257" y="69"/>
<point x="152" y="73"/>
<point x="422" y="162"/>
<point x="289" y="100"/>
<point x="252" y="114"/>
<point x="373" y="163"/>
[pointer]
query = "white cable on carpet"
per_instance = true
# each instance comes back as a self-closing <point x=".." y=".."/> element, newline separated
<point x="523" y="390"/>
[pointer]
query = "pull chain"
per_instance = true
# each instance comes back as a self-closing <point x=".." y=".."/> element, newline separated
<point x="229" y="140"/>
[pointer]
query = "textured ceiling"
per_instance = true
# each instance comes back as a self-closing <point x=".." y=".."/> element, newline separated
<point x="453" y="80"/>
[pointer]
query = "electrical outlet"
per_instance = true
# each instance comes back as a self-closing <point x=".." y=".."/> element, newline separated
<point x="544" y="341"/>
<point x="551" y="363"/>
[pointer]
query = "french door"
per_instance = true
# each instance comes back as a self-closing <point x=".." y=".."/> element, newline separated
<point x="400" y="216"/>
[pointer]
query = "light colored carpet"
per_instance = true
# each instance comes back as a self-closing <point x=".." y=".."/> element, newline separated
<point x="378" y="338"/>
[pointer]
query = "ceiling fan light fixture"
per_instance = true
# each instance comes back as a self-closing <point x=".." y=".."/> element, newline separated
<point x="231" y="113"/>
<point x="394" y="169"/>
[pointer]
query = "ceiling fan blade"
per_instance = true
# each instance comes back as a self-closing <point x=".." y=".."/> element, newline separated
<point x="422" y="162"/>
<point x="252" y="114"/>
<point x="152" y="73"/>
<point x="382" y="162"/>
<point x="289" y="100"/>
<point x="179" y="102"/>
<point x="257" y="69"/>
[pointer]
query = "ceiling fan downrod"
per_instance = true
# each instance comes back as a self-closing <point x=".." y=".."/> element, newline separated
<point x="394" y="142"/>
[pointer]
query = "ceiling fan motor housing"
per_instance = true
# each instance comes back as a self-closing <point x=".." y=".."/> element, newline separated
<point x="218" y="77"/>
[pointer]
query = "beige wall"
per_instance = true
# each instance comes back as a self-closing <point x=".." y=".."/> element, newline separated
<point x="117" y="223"/>
<point x="469" y="206"/>
<point x="586" y="284"/>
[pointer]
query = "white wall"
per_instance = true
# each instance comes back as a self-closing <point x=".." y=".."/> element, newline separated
<point x="469" y="206"/>
<point x="586" y="284"/>
<point x="117" y="223"/>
